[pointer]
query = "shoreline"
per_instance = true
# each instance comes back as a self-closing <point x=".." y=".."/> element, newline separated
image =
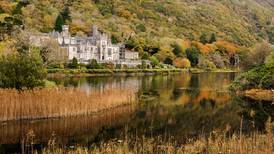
<point x="258" y="94"/>
<point x="93" y="113"/>
<point x="127" y="72"/>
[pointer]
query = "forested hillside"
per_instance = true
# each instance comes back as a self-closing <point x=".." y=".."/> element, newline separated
<point x="150" y="26"/>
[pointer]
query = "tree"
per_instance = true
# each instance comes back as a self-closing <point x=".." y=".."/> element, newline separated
<point x="177" y="49"/>
<point x="145" y="55"/>
<point x="193" y="55"/>
<point x="182" y="63"/>
<point x="51" y="52"/>
<point x="66" y="14"/>
<point x="203" y="38"/>
<point x="59" y="23"/>
<point x="257" y="56"/>
<point x="74" y="63"/>
<point x="154" y="61"/>
<point x="93" y="64"/>
<point x="212" y="38"/>
<point x="144" y="64"/>
<point x="22" y="70"/>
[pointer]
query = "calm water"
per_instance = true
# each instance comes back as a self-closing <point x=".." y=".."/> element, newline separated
<point x="183" y="105"/>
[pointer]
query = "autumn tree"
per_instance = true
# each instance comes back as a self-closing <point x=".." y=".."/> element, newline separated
<point x="258" y="55"/>
<point x="182" y="63"/>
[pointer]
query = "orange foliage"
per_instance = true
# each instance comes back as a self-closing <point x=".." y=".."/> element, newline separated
<point x="182" y="63"/>
<point x="186" y="44"/>
<point x="227" y="47"/>
<point x="197" y="44"/>
<point x="207" y="48"/>
<point x="7" y="6"/>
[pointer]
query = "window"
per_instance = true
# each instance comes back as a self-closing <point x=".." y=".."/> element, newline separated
<point x="109" y="51"/>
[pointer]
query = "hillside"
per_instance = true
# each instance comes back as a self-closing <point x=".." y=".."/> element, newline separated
<point x="241" y="21"/>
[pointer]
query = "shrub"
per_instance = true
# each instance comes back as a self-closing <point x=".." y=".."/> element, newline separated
<point x="217" y="59"/>
<point x="93" y="64"/>
<point x="73" y="63"/>
<point x="206" y="64"/>
<point x="21" y="71"/>
<point x="144" y="64"/>
<point x="258" y="77"/>
<point x="141" y="28"/>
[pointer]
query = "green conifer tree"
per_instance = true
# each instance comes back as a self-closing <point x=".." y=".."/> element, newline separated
<point x="59" y="23"/>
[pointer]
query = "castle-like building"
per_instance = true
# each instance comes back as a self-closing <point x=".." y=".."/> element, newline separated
<point x="97" y="46"/>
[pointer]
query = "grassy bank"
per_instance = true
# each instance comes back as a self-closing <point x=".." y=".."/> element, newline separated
<point x="99" y="72"/>
<point x="216" y="143"/>
<point x="59" y="102"/>
<point x="106" y="72"/>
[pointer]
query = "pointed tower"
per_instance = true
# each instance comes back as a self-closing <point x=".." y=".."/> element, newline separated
<point x="94" y="31"/>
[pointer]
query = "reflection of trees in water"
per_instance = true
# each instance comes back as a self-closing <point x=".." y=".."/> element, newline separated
<point x="194" y="86"/>
<point x="184" y="120"/>
<point x="257" y="112"/>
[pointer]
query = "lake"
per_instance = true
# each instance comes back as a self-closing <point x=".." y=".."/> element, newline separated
<point x="175" y="106"/>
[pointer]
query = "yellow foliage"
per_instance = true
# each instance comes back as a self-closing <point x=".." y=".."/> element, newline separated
<point x="7" y="6"/>
<point x="182" y="63"/>
<point x="124" y="13"/>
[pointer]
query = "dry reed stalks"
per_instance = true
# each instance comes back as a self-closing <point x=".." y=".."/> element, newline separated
<point x="59" y="102"/>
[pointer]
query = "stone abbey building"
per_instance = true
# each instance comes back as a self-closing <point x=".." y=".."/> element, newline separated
<point x="97" y="46"/>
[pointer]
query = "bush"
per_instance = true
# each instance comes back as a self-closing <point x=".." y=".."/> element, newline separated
<point x="21" y="71"/>
<point x="141" y="28"/>
<point x="258" y="77"/>
<point x="73" y="64"/>
<point x="206" y="64"/>
<point x="93" y="64"/>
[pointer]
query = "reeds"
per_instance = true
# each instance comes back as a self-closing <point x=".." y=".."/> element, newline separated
<point x="59" y="102"/>
<point x="255" y="144"/>
<point x="216" y="143"/>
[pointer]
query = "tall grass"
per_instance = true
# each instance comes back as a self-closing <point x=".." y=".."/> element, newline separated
<point x="80" y="127"/>
<point x="218" y="142"/>
<point x="59" y="102"/>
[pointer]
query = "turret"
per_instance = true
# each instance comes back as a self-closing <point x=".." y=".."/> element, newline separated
<point x="94" y="30"/>
<point x="65" y="30"/>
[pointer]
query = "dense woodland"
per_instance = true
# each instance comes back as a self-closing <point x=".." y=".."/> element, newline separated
<point x="207" y="34"/>
<point x="184" y="33"/>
